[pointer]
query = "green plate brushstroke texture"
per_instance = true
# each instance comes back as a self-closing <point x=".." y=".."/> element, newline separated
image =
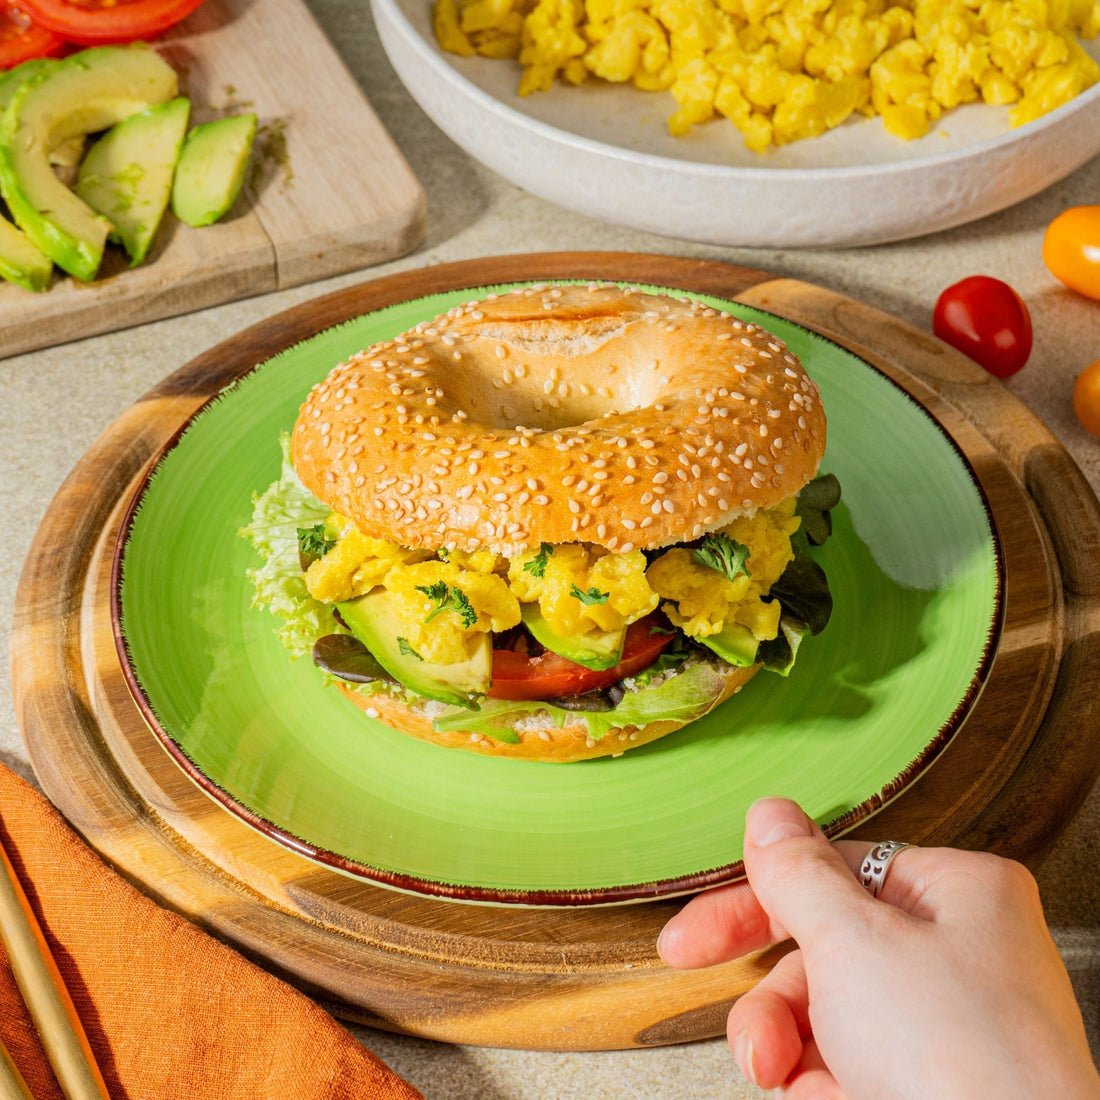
<point x="912" y="566"/>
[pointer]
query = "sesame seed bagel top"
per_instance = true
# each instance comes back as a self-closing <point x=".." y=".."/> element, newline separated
<point x="561" y="414"/>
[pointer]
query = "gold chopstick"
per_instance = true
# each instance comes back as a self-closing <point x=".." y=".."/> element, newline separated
<point x="45" y="994"/>
<point x="12" y="1085"/>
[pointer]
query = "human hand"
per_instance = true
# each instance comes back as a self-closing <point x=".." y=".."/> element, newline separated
<point x="947" y="985"/>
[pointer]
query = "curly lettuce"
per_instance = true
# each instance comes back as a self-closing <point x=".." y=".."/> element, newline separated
<point x="277" y="514"/>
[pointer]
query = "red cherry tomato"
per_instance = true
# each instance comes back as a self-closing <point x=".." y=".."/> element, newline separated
<point x="987" y="321"/>
<point x="1071" y="249"/>
<point x="1086" y="397"/>
<point x="21" y="39"/>
<point x="106" y="22"/>
<point x="548" y="676"/>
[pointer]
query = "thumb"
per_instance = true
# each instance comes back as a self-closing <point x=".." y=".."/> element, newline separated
<point x="799" y="878"/>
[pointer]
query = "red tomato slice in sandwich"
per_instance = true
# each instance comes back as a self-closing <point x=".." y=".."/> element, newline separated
<point x="548" y="676"/>
<point x="21" y="39"/>
<point x="103" y="23"/>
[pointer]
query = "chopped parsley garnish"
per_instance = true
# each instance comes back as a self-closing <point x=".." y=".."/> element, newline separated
<point x="592" y="596"/>
<point x="448" y="598"/>
<point x="406" y="649"/>
<point x="443" y="553"/>
<point x="537" y="565"/>
<point x="313" y="542"/>
<point x="726" y="555"/>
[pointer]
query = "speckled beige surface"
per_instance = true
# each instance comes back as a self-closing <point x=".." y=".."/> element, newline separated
<point x="474" y="213"/>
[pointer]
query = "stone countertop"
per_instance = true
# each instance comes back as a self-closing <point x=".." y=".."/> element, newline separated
<point x="472" y="212"/>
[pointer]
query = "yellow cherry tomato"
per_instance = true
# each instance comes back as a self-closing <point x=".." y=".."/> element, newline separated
<point x="1086" y="397"/>
<point x="1071" y="249"/>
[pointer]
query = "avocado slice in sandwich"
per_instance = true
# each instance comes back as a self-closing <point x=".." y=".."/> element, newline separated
<point x="372" y="620"/>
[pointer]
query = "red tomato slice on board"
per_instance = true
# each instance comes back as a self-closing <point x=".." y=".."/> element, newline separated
<point x="102" y="23"/>
<point x="21" y="39"/>
<point x="986" y="320"/>
<point x="549" y="676"/>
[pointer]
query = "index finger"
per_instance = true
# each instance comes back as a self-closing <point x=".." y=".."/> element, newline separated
<point x="728" y="921"/>
<point x="722" y="924"/>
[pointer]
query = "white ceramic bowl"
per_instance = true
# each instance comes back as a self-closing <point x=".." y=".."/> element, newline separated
<point x="605" y="151"/>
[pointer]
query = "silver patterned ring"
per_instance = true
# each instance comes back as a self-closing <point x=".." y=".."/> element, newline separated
<point x="872" y="871"/>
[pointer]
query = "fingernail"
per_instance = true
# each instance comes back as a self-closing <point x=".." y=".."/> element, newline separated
<point x="773" y="819"/>
<point x="664" y="938"/>
<point x="743" y="1054"/>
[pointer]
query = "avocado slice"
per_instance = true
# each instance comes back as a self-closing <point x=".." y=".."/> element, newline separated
<point x="734" y="643"/>
<point x="69" y="152"/>
<point x="87" y="92"/>
<point x="599" y="651"/>
<point x="211" y="169"/>
<point x="127" y="174"/>
<point x="11" y="80"/>
<point x="21" y="260"/>
<point x="372" y="620"/>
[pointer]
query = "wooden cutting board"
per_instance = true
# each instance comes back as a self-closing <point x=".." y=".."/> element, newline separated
<point x="327" y="190"/>
<point x="584" y="978"/>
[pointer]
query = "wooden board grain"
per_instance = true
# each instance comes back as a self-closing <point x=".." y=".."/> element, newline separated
<point x="327" y="190"/>
<point x="555" y="979"/>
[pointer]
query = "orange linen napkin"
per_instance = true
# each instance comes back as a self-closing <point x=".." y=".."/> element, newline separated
<point x="169" y="1011"/>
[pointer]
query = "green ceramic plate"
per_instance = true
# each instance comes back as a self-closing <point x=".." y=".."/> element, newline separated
<point x="915" y="570"/>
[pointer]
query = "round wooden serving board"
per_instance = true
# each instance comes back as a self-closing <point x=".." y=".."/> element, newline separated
<point x="564" y="979"/>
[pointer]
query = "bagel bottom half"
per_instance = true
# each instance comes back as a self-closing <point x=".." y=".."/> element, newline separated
<point x="540" y="738"/>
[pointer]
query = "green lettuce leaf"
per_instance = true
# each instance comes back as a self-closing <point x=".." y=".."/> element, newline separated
<point x="687" y="695"/>
<point x="778" y="655"/>
<point x="279" y="584"/>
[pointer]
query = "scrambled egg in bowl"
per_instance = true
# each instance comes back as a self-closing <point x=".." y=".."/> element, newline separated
<point x="783" y="70"/>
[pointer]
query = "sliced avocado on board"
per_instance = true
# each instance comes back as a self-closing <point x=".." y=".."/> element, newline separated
<point x="87" y="92"/>
<point x="600" y="650"/>
<point x="211" y="169"/>
<point x="11" y="80"/>
<point x="127" y="174"/>
<point x="734" y="643"/>
<point x="372" y="620"/>
<point x="21" y="260"/>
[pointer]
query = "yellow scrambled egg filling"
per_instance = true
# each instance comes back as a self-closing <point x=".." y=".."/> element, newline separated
<point x="579" y="567"/>
<point x="622" y="588"/>
<point x="783" y="70"/>
<point x="700" y="601"/>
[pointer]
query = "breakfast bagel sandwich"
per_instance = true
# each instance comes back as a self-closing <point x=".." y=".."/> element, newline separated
<point x="553" y="524"/>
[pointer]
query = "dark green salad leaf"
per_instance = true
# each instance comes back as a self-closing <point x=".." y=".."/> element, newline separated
<point x="346" y="657"/>
<point x="814" y="502"/>
<point x="778" y="655"/>
<point x="803" y="589"/>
